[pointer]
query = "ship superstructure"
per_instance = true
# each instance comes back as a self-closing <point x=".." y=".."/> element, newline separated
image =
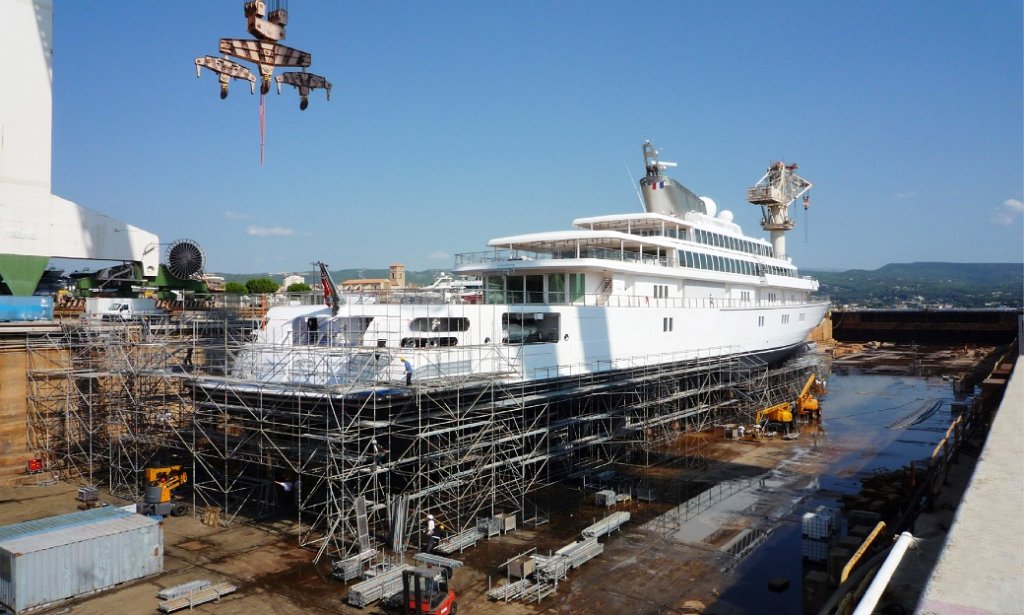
<point x="678" y="282"/>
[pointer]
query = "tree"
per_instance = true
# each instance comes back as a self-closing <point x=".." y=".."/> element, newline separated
<point x="299" y="287"/>
<point x="262" y="286"/>
<point x="235" y="288"/>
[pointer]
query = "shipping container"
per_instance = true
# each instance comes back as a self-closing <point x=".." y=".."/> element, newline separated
<point x="52" y="559"/>
<point x="18" y="309"/>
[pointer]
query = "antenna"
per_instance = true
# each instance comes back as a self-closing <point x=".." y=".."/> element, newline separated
<point x="635" y="189"/>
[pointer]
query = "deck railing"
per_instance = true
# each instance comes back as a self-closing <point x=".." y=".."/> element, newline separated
<point x="260" y="303"/>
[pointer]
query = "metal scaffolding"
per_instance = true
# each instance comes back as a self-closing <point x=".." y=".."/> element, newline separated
<point x="358" y="466"/>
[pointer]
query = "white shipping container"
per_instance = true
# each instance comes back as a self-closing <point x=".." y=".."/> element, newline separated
<point x="49" y="560"/>
<point x="822" y="523"/>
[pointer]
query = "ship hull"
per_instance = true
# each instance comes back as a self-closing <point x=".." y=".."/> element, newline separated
<point x="370" y="345"/>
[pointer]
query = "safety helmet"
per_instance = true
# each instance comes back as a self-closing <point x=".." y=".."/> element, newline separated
<point x="430" y="516"/>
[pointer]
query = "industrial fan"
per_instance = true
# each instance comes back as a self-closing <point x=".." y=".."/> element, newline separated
<point x="185" y="259"/>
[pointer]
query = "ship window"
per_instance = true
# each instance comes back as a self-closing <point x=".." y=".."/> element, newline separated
<point x="666" y="324"/>
<point x="760" y="321"/>
<point x="530" y="328"/>
<point x="556" y="288"/>
<point x="494" y="288"/>
<point x="439" y="324"/>
<point x="428" y="342"/>
<point x="577" y="286"/>
<point x="534" y="288"/>
<point x="703" y="260"/>
<point x="785" y="319"/>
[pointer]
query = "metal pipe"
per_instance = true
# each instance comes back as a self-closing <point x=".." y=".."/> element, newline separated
<point x="881" y="580"/>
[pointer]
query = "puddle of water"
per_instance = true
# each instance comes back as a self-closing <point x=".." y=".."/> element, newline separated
<point x="857" y="413"/>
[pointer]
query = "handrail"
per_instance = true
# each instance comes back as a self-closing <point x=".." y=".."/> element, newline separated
<point x="861" y="551"/>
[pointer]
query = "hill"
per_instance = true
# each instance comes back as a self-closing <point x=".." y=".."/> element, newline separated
<point x="965" y="285"/>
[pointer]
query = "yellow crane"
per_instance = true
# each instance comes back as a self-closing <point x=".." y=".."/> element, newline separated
<point x="806" y="404"/>
<point x="158" y="496"/>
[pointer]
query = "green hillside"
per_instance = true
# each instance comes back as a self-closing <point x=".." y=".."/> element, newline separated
<point x="968" y="285"/>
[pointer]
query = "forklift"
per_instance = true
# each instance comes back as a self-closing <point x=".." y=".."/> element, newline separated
<point x="425" y="591"/>
<point x="160" y="485"/>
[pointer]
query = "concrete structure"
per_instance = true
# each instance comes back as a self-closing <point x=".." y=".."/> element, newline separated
<point x="980" y="568"/>
<point x="36" y="225"/>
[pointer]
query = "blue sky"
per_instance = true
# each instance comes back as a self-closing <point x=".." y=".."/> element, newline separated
<point x="454" y="122"/>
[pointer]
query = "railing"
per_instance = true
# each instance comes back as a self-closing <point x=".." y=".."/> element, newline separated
<point x="512" y="257"/>
<point x="258" y="304"/>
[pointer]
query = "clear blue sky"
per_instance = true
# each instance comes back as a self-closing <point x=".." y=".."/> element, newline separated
<point x="454" y="122"/>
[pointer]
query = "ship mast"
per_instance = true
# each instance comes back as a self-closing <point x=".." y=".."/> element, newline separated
<point x="775" y="192"/>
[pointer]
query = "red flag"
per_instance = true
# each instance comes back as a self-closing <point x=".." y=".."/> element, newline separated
<point x="263" y="123"/>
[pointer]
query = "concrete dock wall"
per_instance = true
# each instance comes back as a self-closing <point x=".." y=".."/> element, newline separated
<point x="980" y="568"/>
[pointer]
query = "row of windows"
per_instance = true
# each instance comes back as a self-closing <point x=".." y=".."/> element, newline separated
<point x="550" y="288"/>
<point x="657" y="232"/>
<point x="713" y="262"/>
<point x="660" y="291"/>
<point x="733" y="243"/>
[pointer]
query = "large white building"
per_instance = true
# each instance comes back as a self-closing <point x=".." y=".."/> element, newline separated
<point x="35" y="224"/>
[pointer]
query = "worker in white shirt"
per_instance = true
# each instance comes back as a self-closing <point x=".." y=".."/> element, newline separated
<point x="432" y="534"/>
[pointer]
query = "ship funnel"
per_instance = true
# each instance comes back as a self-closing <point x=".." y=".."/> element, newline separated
<point x="664" y="195"/>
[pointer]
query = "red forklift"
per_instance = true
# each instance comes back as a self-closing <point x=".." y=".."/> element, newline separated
<point x="425" y="591"/>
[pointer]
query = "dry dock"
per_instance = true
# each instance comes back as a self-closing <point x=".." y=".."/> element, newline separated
<point x="714" y="524"/>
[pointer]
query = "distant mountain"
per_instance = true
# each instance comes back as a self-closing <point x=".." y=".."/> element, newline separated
<point x="967" y="285"/>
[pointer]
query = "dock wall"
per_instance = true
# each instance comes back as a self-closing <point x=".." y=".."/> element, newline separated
<point x="979" y="568"/>
<point x="987" y="327"/>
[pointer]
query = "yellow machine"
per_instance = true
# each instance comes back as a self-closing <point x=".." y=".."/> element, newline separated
<point x="807" y="405"/>
<point x="779" y="413"/>
<point x="160" y="485"/>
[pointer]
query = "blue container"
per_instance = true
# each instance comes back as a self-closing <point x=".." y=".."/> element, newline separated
<point x="25" y="308"/>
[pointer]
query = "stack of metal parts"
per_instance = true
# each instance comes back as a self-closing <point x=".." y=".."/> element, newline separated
<point x="375" y="588"/>
<point x="554" y="567"/>
<point x="524" y="589"/>
<point x="607" y="525"/>
<point x="436" y="560"/>
<point x="352" y="567"/>
<point x="196" y="597"/>
<point x="181" y="590"/>
<point x="460" y="541"/>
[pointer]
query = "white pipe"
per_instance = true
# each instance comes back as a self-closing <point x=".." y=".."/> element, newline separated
<point x="884" y="574"/>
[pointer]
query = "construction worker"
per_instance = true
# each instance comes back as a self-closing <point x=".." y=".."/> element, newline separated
<point x="432" y="534"/>
<point x="408" y="371"/>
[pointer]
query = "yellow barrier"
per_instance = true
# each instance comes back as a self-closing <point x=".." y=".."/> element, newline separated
<point x="860" y="552"/>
